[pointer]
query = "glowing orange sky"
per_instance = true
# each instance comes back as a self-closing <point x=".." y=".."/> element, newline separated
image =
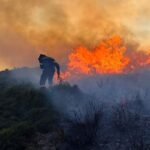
<point x="55" y="27"/>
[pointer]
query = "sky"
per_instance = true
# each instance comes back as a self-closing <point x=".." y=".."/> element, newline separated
<point x="56" y="27"/>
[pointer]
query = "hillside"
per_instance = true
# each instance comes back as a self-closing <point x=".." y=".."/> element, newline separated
<point x="65" y="118"/>
<point x="28" y="118"/>
<point x="24" y="112"/>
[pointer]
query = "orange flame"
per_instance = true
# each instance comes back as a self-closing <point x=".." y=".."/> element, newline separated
<point x="107" y="58"/>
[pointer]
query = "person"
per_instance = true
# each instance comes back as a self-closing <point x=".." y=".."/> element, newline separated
<point x="48" y="65"/>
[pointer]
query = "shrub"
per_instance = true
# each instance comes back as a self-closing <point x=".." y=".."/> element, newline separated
<point x="15" y="137"/>
<point x="83" y="128"/>
<point x="24" y="111"/>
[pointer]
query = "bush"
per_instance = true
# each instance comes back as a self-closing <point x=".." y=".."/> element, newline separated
<point x="24" y="111"/>
<point x="131" y="127"/>
<point x="124" y="119"/>
<point x="15" y="137"/>
<point x="83" y="128"/>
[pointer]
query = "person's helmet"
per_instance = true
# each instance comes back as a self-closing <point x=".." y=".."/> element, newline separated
<point x="41" y="57"/>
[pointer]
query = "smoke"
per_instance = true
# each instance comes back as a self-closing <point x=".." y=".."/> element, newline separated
<point x="55" y="27"/>
<point x="109" y="89"/>
<point x="117" y="88"/>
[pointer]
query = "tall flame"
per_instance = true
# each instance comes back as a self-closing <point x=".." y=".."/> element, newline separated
<point x="106" y="58"/>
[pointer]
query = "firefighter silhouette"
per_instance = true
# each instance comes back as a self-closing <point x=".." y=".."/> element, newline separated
<point x="48" y="65"/>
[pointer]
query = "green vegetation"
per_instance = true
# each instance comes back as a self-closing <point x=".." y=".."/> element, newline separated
<point x="24" y="112"/>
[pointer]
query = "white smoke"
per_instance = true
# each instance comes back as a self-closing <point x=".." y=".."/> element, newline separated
<point x="110" y="88"/>
<point x="117" y="87"/>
